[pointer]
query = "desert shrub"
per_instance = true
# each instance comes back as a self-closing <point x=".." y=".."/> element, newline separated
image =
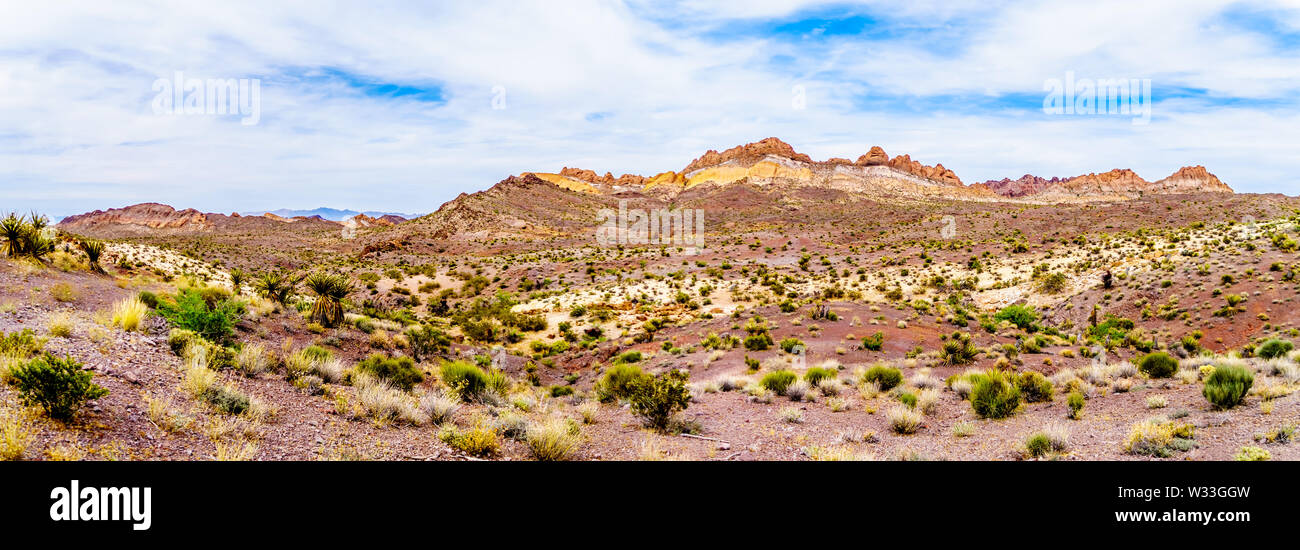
<point x="1252" y="454"/>
<point x="479" y="440"/>
<point x="1227" y="386"/>
<point x="20" y="343"/>
<point x="657" y="399"/>
<point x="815" y="375"/>
<point x="178" y="339"/>
<point x="1075" y="401"/>
<point x="226" y="399"/>
<point x="1035" y="387"/>
<point x="1023" y="317"/>
<point x="618" y="380"/>
<point x="1158" y="365"/>
<point x="790" y="345"/>
<point x="1052" y="283"/>
<point x="758" y="342"/>
<point x="993" y="397"/>
<point x="468" y="381"/>
<point x="398" y="371"/>
<point x="884" y="377"/>
<point x="426" y="340"/>
<point x="213" y="321"/>
<point x="1274" y="348"/>
<point x="778" y="381"/>
<point x="60" y="386"/>
<point x="1158" y="437"/>
<point x="874" y="342"/>
<point x="149" y="299"/>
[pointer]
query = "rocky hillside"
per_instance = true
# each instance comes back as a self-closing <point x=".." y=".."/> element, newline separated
<point x="1118" y="184"/>
<point x="772" y="161"/>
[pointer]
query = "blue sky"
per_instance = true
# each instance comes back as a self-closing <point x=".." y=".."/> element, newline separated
<point x="402" y="106"/>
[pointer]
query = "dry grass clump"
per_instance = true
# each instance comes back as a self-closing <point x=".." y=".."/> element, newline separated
<point x="384" y="403"/>
<point x="553" y="439"/>
<point x="130" y="314"/>
<point x="439" y="407"/>
<point x="904" y="420"/>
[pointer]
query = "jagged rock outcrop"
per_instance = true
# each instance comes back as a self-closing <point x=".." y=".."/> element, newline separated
<point x="150" y="214"/>
<point x="748" y="153"/>
<point x="1117" y="184"/>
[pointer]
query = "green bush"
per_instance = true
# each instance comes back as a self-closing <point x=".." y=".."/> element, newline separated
<point x="1035" y="387"/>
<point x="817" y="374"/>
<point x="874" y="342"/>
<point x="884" y="377"/>
<point x="22" y="343"/>
<point x="60" y="386"/>
<point x="399" y="371"/>
<point x="789" y="345"/>
<point x="1038" y="445"/>
<point x="465" y="379"/>
<point x="993" y="397"/>
<point x="1158" y="365"/>
<point x="149" y="299"/>
<point x="179" y="338"/>
<point x="1023" y="317"/>
<point x="426" y="341"/>
<point x="213" y="319"/>
<point x="1274" y="348"/>
<point x="1075" y="401"/>
<point x="778" y="381"/>
<point x="618" y="380"/>
<point x="907" y="398"/>
<point x="657" y="399"/>
<point x="758" y="342"/>
<point x="1227" y="386"/>
<point x="226" y="399"/>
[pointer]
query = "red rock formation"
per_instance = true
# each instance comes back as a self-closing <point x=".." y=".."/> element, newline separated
<point x="749" y="152"/>
<point x="149" y="214"/>
<point x="875" y="157"/>
<point x="1191" y="179"/>
<point x="608" y="179"/>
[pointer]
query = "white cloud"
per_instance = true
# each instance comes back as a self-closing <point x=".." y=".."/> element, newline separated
<point x="79" y="133"/>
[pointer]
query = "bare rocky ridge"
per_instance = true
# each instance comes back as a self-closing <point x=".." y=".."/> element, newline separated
<point x="1115" y="184"/>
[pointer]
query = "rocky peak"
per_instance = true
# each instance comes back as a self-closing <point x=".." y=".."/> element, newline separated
<point x="748" y="152"/>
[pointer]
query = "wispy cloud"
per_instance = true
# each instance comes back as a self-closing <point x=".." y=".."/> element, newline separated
<point x="399" y="107"/>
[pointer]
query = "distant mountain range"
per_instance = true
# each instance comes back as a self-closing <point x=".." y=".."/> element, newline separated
<point x="331" y="214"/>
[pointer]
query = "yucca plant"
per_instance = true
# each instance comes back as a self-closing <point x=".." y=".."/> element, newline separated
<point x="93" y="250"/>
<point x="276" y="286"/>
<point x="330" y="290"/>
<point x="36" y="245"/>
<point x="237" y="278"/>
<point x="13" y="230"/>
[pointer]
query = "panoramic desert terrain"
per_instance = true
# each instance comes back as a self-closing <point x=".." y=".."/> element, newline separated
<point x="875" y="308"/>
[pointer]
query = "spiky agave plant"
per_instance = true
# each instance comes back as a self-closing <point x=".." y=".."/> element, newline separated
<point x="93" y="250"/>
<point x="276" y="286"/>
<point x="13" y="230"/>
<point x="237" y="278"/>
<point x="330" y="290"/>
